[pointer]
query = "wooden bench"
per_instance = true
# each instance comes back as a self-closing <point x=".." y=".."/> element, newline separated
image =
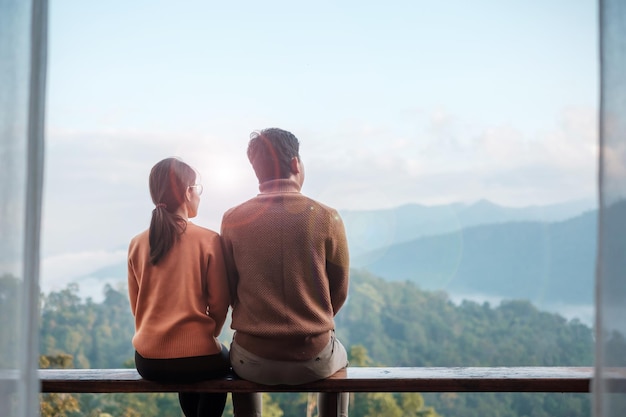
<point x="354" y="379"/>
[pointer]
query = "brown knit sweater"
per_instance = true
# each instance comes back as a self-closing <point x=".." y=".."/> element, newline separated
<point x="169" y="300"/>
<point x="288" y="268"/>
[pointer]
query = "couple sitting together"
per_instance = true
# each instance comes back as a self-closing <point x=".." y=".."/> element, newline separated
<point x="281" y="263"/>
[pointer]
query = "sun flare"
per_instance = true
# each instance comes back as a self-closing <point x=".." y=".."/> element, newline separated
<point x="225" y="173"/>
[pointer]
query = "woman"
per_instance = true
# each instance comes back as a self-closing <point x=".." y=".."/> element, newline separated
<point x="178" y="291"/>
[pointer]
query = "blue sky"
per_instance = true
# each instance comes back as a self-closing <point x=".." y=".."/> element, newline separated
<point x="171" y="65"/>
<point x="398" y="102"/>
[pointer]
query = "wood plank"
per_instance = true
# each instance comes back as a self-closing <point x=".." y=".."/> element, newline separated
<point x="354" y="379"/>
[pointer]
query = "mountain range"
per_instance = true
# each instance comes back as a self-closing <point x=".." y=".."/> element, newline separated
<point x="544" y="262"/>
<point x="375" y="229"/>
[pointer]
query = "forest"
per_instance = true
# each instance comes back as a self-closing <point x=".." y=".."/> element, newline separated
<point x="382" y="324"/>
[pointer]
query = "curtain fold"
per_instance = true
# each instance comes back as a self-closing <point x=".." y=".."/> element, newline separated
<point x="609" y="398"/>
<point x="23" y="49"/>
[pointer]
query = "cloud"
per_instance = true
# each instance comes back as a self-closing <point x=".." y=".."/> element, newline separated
<point x="59" y="270"/>
<point x="449" y="159"/>
<point x="96" y="196"/>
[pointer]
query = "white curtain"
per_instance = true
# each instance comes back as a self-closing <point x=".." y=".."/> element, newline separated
<point x="610" y="399"/>
<point x="23" y="30"/>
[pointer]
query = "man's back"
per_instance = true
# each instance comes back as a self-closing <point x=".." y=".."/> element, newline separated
<point x="288" y="263"/>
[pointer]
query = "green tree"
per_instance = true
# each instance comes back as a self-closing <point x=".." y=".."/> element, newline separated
<point x="381" y="404"/>
<point x="412" y="404"/>
<point x="271" y="407"/>
<point x="384" y="404"/>
<point x="357" y="356"/>
<point x="55" y="404"/>
<point x="66" y="323"/>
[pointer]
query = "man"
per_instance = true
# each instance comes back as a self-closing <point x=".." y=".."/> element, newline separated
<point x="288" y="269"/>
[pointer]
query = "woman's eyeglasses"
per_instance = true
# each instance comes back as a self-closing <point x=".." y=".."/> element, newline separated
<point x="197" y="187"/>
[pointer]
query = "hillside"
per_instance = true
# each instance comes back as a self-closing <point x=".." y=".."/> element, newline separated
<point x="395" y="322"/>
<point x="401" y="325"/>
<point x="545" y="263"/>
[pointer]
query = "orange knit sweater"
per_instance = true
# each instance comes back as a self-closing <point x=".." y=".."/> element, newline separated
<point x="288" y="268"/>
<point x="169" y="300"/>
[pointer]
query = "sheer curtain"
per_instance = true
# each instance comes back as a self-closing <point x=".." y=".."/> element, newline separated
<point x="610" y="400"/>
<point x="23" y="28"/>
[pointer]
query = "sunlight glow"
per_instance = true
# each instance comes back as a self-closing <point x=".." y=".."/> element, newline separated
<point x="225" y="173"/>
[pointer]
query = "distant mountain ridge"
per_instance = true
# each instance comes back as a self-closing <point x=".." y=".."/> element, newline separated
<point x="545" y="263"/>
<point x="373" y="229"/>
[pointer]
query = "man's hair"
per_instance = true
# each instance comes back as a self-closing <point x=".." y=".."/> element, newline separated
<point x="270" y="152"/>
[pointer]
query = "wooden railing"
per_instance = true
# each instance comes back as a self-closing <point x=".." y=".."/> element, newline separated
<point x="353" y="379"/>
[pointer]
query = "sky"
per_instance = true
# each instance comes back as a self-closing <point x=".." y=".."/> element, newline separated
<point x="394" y="103"/>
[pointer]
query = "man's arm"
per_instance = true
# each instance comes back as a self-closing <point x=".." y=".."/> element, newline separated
<point x="337" y="262"/>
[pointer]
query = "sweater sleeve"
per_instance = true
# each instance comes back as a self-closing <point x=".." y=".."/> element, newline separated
<point x="337" y="262"/>
<point x="217" y="285"/>
<point x="231" y="269"/>
<point x="133" y="285"/>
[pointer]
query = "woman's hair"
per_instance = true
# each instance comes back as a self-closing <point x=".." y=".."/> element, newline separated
<point x="169" y="180"/>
